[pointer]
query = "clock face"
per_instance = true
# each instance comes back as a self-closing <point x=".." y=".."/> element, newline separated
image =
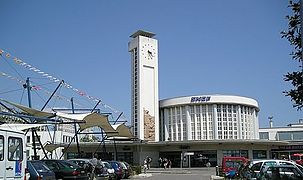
<point x="148" y="51"/>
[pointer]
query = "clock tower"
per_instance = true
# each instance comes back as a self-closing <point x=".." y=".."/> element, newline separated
<point x="145" y="99"/>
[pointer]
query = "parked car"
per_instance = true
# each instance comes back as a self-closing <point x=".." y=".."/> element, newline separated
<point x="39" y="170"/>
<point x="231" y="165"/>
<point x="282" y="171"/>
<point x="66" y="170"/>
<point x="84" y="163"/>
<point x="256" y="165"/>
<point x="110" y="170"/>
<point x="100" y="172"/>
<point x="127" y="169"/>
<point x="119" y="171"/>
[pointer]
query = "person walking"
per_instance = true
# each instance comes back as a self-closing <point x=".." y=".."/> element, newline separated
<point x="160" y="162"/>
<point x="145" y="166"/>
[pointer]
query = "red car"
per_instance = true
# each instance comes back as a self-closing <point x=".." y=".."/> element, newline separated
<point x="298" y="158"/>
<point x="232" y="164"/>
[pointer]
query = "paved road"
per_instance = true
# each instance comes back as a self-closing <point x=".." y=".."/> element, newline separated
<point x="177" y="174"/>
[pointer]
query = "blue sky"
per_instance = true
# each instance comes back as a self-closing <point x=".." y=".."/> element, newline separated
<point x="205" y="47"/>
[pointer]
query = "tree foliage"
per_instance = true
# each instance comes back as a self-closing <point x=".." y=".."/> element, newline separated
<point x="293" y="35"/>
<point x="88" y="138"/>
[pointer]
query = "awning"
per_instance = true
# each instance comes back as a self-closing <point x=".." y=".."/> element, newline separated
<point x="78" y="117"/>
<point x="52" y="147"/>
<point x="31" y="111"/>
<point x="123" y="131"/>
<point x="20" y="127"/>
<point x="91" y="120"/>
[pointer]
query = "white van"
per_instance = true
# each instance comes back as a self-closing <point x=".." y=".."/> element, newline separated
<point x="12" y="154"/>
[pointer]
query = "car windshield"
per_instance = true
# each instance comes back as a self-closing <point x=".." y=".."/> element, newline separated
<point x="56" y="165"/>
<point x="107" y="165"/>
<point x="123" y="165"/>
<point x="40" y="167"/>
<point x="256" y="166"/>
<point x="70" y="164"/>
<point x="114" y="165"/>
<point x="233" y="164"/>
<point x="300" y="167"/>
<point x="294" y="158"/>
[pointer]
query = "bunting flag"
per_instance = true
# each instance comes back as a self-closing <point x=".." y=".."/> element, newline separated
<point x="35" y="87"/>
<point x="11" y="77"/>
<point x="53" y="79"/>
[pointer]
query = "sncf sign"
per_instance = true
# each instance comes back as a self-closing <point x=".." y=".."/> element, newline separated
<point x="199" y="99"/>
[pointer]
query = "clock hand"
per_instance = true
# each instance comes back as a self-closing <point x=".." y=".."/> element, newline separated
<point x="150" y="53"/>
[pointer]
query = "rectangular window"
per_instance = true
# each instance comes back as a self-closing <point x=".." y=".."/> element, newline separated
<point x="298" y="135"/>
<point x="263" y="135"/>
<point x="282" y="136"/>
<point x="259" y="154"/>
<point x="236" y="153"/>
<point x="15" y="149"/>
<point x="1" y="148"/>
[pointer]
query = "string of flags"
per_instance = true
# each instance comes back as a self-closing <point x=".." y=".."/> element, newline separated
<point x="51" y="78"/>
<point x="11" y="77"/>
<point x="34" y="87"/>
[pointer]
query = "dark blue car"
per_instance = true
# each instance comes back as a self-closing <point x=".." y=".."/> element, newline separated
<point x="39" y="170"/>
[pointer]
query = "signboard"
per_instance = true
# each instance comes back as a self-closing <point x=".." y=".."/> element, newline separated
<point x="189" y="154"/>
<point x="198" y="99"/>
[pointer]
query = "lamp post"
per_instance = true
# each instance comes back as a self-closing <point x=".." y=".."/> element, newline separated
<point x="270" y="121"/>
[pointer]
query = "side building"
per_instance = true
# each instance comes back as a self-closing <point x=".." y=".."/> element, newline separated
<point x="292" y="133"/>
<point x="208" y="117"/>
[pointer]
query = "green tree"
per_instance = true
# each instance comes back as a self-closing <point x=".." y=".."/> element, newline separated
<point x="88" y="138"/>
<point x="293" y="35"/>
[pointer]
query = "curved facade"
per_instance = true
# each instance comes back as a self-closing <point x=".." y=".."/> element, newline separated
<point x="208" y="117"/>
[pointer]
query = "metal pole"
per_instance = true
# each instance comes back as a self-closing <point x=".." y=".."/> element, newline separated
<point x="116" y="155"/>
<point x="96" y="106"/>
<point x="45" y="154"/>
<point x="28" y="87"/>
<point x="52" y="95"/>
<point x="181" y="162"/>
<point x="118" y="117"/>
<point x="189" y="161"/>
<point x="68" y="146"/>
<point x="75" y="126"/>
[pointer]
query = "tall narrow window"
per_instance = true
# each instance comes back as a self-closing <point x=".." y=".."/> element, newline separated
<point x="15" y="149"/>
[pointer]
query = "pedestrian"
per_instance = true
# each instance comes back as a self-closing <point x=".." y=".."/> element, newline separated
<point x="165" y="163"/>
<point x="149" y="160"/>
<point x="169" y="164"/>
<point x="208" y="164"/>
<point x="144" y="166"/>
<point x="160" y="162"/>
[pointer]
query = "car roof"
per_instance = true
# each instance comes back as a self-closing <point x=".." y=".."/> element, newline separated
<point x="281" y="166"/>
<point x="268" y="160"/>
<point x="78" y="159"/>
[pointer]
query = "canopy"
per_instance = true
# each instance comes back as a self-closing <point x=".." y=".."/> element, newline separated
<point x="20" y="127"/>
<point x="52" y="147"/>
<point x="91" y="120"/>
<point x="123" y="131"/>
<point x="78" y="117"/>
<point x="31" y="111"/>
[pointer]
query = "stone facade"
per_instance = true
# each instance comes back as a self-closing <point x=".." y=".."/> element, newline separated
<point x="149" y="126"/>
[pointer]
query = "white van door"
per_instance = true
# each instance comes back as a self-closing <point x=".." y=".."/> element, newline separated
<point x="16" y="161"/>
<point x="2" y="161"/>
